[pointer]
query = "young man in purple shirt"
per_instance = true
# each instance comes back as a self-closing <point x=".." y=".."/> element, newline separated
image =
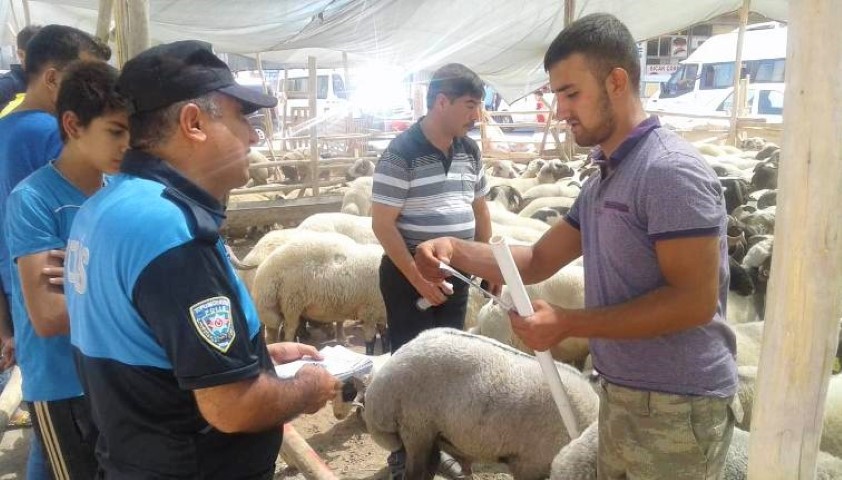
<point x="651" y="227"/>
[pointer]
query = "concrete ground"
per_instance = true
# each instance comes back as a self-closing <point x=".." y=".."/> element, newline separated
<point x="14" y="447"/>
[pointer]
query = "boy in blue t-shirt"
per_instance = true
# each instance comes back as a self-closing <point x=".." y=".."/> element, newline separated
<point x="93" y="124"/>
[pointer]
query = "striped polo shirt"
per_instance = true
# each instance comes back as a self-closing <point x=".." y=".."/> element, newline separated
<point x="434" y="192"/>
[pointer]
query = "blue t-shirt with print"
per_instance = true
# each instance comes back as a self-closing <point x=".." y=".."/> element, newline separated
<point x="28" y="140"/>
<point x="39" y="213"/>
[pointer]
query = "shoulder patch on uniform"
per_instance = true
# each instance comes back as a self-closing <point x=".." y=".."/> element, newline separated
<point x="213" y="320"/>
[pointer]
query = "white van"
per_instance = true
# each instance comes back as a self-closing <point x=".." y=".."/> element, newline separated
<point x="702" y="78"/>
<point x="331" y="95"/>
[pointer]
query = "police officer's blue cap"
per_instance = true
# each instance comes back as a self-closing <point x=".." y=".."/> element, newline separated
<point x="178" y="71"/>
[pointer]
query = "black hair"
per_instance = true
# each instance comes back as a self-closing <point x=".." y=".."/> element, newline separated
<point x="88" y="89"/>
<point x="25" y="35"/>
<point x="453" y="81"/>
<point x="604" y="41"/>
<point x="59" y="45"/>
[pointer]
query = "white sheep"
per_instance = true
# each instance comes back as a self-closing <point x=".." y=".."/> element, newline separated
<point x="353" y="391"/>
<point x="749" y="340"/>
<point x="741" y="309"/>
<point x="357" y="198"/>
<point x="578" y="460"/>
<point x="545" y="175"/>
<point x="831" y="441"/>
<point x="545" y="202"/>
<point x="329" y="278"/>
<point x="247" y="267"/>
<point x="500" y="215"/>
<point x="362" y="167"/>
<point x="501" y="169"/>
<point x="353" y="226"/>
<point x="475" y="399"/>
<point x="562" y="188"/>
<point x="566" y="288"/>
<point x="508" y="197"/>
<point x="533" y="167"/>
<point x="518" y="235"/>
<point x="257" y="176"/>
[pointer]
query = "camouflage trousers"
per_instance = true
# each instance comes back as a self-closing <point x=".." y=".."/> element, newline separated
<point x="651" y="435"/>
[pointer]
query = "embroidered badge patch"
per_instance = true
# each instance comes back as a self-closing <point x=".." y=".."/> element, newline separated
<point x="214" y="322"/>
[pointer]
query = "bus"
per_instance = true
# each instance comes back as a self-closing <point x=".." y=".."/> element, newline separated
<point x="709" y="71"/>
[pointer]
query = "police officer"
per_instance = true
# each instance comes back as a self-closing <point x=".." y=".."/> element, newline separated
<point x="166" y="339"/>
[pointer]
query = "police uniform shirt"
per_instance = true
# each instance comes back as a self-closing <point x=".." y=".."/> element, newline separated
<point x="155" y="312"/>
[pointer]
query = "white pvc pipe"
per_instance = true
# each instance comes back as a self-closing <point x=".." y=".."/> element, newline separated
<point x="503" y="255"/>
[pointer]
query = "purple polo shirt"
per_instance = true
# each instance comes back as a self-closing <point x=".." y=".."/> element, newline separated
<point x="659" y="188"/>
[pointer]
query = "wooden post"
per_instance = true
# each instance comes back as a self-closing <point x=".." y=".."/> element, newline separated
<point x="547" y="127"/>
<point x="103" y="21"/>
<point x="284" y="131"/>
<point x="268" y="124"/>
<point x="132" y="18"/>
<point x="312" y="87"/>
<point x="297" y="451"/>
<point x="804" y="305"/>
<point x="484" y="117"/>
<point x="27" y="17"/>
<point x="738" y="62"/>
<point x="349" y="118"/>
<point x="569" y="12"/>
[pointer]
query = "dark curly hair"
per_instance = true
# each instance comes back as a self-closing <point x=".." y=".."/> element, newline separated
<point x="88" y="90"/>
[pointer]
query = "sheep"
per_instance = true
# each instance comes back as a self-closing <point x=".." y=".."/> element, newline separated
<point x="258" y="176"/>
<point x="557" y="169"/>
<point x="517" y="234"/>
<point x="710" y="150"/>
<point x="247" y="267"/>
<point x="564" y="289"/>
<point x="500" y="215"/>
<point x="578" y="459"/>
<point x="765" y="176"/>
<point x="741" y="306"/>
<point x="831" y="441"/>
<point x="768" y="199"/>
<point x="356" y="227"/>
<point x="506" y="196"/>
<point x="550" y="216"/>
<point x="767" y="151"/>
<point x="753" y="143"/>
<point x="533" y="167"/>
<point x="749" y="340"/>
<point x="544" y="202"/>
<point x="475" y="399"/>
<point x="362" y="167"/>
<point x="569" y="189"/>
<point x="325" y="279"/>
<point x="357" y="199"/>
<point x="545" y="175"/>
<point x="353" y="391"/>
<point x="502" y="169"/>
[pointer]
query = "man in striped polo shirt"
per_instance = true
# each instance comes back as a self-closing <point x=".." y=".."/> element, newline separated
<point x="429" y="183"/>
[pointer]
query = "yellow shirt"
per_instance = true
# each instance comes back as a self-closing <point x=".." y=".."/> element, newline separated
<point x="12" y="105"/>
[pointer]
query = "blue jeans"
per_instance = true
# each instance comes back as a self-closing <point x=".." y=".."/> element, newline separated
<point x="36" y="465"/>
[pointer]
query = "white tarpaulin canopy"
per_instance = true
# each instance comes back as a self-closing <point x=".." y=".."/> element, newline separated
<point x="502" y="40"/>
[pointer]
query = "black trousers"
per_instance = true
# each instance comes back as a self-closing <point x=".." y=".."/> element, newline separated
<point x="68" y="437"/>
<point x="404" y="319"/>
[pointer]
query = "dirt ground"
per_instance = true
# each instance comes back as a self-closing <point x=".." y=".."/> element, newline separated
<point x="344" y="445"/>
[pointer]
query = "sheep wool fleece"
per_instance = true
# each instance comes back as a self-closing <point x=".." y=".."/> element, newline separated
<point x="156" y="311"/>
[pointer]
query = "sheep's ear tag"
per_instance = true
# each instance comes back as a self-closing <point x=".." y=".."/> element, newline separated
<point x="214" y="323"/>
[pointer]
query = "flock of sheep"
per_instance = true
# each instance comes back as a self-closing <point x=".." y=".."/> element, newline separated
<point x="478" y="395"/>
